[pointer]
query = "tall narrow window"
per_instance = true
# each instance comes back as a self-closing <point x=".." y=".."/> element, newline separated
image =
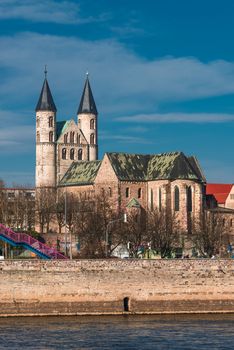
<point x="139" y="192"/>
<point x="80" y="154"/>
<point x="110" y="192"/>
<point x="151" y="199"/>
<point x="78" y="139"/>
<point x="38" y="122"/>
<point x="159" y="199"/>
<point x="38" y="136"/>
<point x="64" y="153"/>
<point x="127" y="192"/>
<point x="51" y="136"/>
<point x="189" y="199"/>
<point x="65" y="138"/>
<point x="92" y="139"/>
<point x="176" y="199"/>
<point x="50" y="122"/>
<point x="72" y="153"/>
<point x="92" y="124"/>
<point x="72" y="134"/>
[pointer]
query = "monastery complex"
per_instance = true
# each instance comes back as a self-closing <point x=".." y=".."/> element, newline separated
<point x="67" y="157"/>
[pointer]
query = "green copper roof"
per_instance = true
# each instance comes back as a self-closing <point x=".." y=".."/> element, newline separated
<point x="165" y="166"/>
<point x="138" y="167"/>
<point x="133" y="203"/>
<point x="130" y="167"/>
<point x="81" y="173"/>
<point x="61" y="127"/>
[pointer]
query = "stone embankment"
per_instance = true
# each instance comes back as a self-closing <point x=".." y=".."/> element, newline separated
<point x="38" y="287"/>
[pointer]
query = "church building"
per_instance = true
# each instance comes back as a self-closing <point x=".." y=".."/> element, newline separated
<point x="60" y="143"/>
<point x="67" y="158"/>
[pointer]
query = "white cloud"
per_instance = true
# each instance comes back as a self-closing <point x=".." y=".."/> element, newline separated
<point x="66" y="12"/>
<point x="123" y="83"/>
<point x="178" y="118"/>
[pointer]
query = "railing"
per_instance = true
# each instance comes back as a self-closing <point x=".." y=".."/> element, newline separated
<point x="25" y="239"/>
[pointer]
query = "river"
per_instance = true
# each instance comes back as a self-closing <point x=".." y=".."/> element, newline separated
<point x="119" y="332"/>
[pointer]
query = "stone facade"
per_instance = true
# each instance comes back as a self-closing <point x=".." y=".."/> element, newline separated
<point x="59" y="144"/>
<point x="116" y="286"/>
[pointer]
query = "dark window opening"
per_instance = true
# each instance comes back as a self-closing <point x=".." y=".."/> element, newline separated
<point x="72" y="134"/>
<point x="127" y="192"/>
<point x="110" y="192"/>
<point x="189" y="199"/>
<point x="72" y="154"/>
<point x="151" y="199"/>
<point x="177" y="199"/>
<point x="126" y="304"/>
<point x="92" y="124"/>
<point x="51" y="136"/>
<point x="160" y="199"/>
<point x="50" y="122"/>
<point x="65" y="138"/>
<point x="139" y="192"/>
<point x="80" y="154"/>
<point x="92" y="139"/>
<point x="64" y="153"/>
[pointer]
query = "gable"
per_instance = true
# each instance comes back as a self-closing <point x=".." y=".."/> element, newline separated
<point x="106" y="172"/>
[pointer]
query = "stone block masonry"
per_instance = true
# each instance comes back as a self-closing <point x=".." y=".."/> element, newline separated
<point x="36" y="287"/>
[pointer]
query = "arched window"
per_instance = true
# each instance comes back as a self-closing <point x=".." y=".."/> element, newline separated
<point x="72" y="153"/>
<point x="65" y="138"/>
<point x="189" y="199"/>
<point x="127" y="192"/>
<point x="51" y="136"/>
<point x="72" y="134"/>
<point x="139" y="192"/>
<point x="38" y="122"/>
<point x="78" y="140"/>
<point x="110" y="192"/>
<point x="64" y="153"/>
<point x="159" y="199"/>
<point x="176" y="198"/>
<point x="92" y="139"/>
<point x="151" y="199"/>
<point x="92" y="124"/>
<point x="50" y="121"/>
<point x="38" y="136"/>
<point x="231" y="222"/>
<point x="80" y="154"/>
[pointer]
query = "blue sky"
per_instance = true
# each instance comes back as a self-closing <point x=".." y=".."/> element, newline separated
<point x="161" y="71"/>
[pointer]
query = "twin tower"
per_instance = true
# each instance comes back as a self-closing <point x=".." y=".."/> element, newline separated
<point x="60" y="143"/>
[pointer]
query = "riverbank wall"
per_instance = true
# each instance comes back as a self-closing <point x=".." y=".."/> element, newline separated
<point x="93" y="287"/>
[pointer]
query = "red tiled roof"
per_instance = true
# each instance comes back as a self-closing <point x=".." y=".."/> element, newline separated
<point x="219" y="191"/>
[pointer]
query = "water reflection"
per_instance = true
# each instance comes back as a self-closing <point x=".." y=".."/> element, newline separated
<point x="120" y="332"/>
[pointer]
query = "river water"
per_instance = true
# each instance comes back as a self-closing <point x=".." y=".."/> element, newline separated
<point x="119" y="332"/>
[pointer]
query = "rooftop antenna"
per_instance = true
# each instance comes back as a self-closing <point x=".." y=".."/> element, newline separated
<point x="45" y="71"/>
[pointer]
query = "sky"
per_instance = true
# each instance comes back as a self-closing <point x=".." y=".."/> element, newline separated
<point x="161" y="72"/>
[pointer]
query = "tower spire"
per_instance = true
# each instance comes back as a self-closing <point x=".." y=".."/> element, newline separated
<point x="87" y="103"/>
<point x="46" y="102"/>
<point x="45" y="71"/>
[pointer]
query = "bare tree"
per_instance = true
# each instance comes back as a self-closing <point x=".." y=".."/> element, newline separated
<point x="163" y="231"/>
<point x="212" y="235"/>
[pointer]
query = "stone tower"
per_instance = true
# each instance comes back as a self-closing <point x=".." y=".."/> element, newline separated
<point x="45" y="138"/>
<point x="87" y="120"/>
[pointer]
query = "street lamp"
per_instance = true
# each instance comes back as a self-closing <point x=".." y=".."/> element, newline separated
<point x="124" y="219"/>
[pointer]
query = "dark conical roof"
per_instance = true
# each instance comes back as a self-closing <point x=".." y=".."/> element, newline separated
<point x="46" y="102"/>
<point x="87" y="103"/>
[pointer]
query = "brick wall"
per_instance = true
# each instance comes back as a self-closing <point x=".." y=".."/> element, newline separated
<point x="100" y="286"/>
